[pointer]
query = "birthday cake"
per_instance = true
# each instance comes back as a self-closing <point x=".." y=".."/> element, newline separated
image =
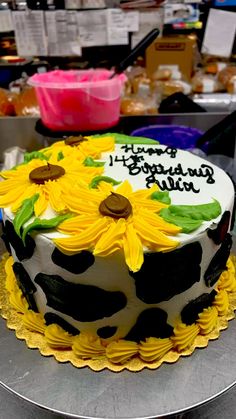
<point x="119" y="246"/>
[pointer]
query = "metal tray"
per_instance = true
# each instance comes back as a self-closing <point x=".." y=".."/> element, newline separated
<point x="82" y="393"/>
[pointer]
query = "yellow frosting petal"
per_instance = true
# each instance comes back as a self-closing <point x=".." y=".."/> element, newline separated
<point x="151" y="205"/>
<point x="84" y="240"/>
<point x="10" y="197"/>
<point x="41" y="204"/>
<point x="56" y="337"/>
<point x="77" y="224"/>
<point x="227" y="279"/>
<point x="184" y="336"/>
<point x="55" y="196"/>
<point x="207" y="320"/>
<point x="154" y="348"/>
<point x="152" y="237"/>
<point x="133" y="249"/>
<point x="145" y="193"/>
<point x="28" y="193"/>
<point x="87" y="346"/>
<point x="121" y="351"/>
<point x="10" y="276"/>
<point x="34" y="321"/>
<point x="18" y="301"/>
<point x="221" y="302"/>
<point x="80" y="206"/>
<point x="111" y="240"/>
<point x="124" y="188"/>
<point x="156" y="221"/>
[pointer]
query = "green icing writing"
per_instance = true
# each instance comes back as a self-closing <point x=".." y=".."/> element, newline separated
<point x="90" y="162"/>
<point x="162" y="196"/>
<point x="197" y="212"/>
<point x="25" y="213"/>
<point x="34" y="155"/>
<point x="190" y="217"/>
<point x="187" y="224"/>
<point x="60" y="156"/>
<point x="97" y="179"/>
<point x="40" y="224"/>
<point x="127" y="139"/>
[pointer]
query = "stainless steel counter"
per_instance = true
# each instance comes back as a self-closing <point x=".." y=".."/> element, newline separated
<point x="20" y="131"/>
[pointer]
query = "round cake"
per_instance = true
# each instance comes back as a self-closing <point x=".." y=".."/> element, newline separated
<point x="119" y="245"/>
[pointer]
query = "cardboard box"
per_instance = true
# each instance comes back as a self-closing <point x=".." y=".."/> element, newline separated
<point x="173" y="51"/>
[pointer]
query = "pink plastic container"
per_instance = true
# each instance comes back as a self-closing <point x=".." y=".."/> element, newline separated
<point x="78" y="100"/>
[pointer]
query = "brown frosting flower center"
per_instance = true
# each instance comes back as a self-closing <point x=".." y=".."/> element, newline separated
<point x="74" y="141"/>
<point x="116" y="206"/>
<point x="42" y="174"/>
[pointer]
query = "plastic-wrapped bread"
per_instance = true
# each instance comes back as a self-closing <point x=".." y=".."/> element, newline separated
<point x="231" y="85"/>
<point x="205" y="83"/>
<point x="226" y="75"/>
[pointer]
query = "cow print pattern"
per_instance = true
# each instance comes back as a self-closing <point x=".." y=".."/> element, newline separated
<point x="22" y="251"/>
<point x="164" y="275"/>
<point x="150" y="323"/>
<point x="76" y="264"/>
<point x="190" y="312"/>
<point x="106" y="332"/>
<point x="219" y="233"/>
<point x="26" y="285"/>
<point x="218" y="262"/>
<point x="53" y="318"/>
<point x="85" y="303"/>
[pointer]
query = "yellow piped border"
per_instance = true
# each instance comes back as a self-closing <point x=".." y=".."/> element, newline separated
<point x="144" y="355"/>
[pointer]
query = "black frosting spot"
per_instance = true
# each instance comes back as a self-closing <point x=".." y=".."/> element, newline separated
<point x="53" y="318"/>
<point x="106" y="332"/>
<point x="22" y="252"/>
<point x="150" y="323"/>
<point x="75" y="264"/>
<point x="234" y="207"/>
<point x="190" y="312"/>
<point x="218" y="262"/>
<point x="4" y="238"/>
<point x="26" y="285"/>
<point x="218" y="234"/>
<point x="164" y="275"/>
<point x="85" y="303"/>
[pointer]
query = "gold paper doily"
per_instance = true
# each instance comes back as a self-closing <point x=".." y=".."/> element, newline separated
<point x="36" y="340"/>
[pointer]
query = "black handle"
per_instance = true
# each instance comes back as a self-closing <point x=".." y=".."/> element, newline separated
<point x="140" y="47"/>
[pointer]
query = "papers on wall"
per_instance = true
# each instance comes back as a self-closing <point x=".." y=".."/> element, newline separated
<point x="62" y="31"/>
<point x="92" y="26"/>
<point x="148" y="20"/>
<point x="220" y="33"/>
<point x="30" y="33"/>
<point x="94" y="4"/>
<point x="116" y="28"/>
<point x="6" y="24"/>
<point x="131" y="20"/>
<point x="73" y="4"/>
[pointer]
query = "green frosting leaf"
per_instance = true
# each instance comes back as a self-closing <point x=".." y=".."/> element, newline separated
<point x="97" y="179"/>
<point x="90" y="162"/>
<point x="190" y="217"/>
<point x="40" y="224"/>
<point x="187" y="224"/>
<point x="127" y="139"/>
<point x="60" y="156"/>
<point x="34" y="155"/>
<point x="197" y="212"/>
<point x="25" y="213"/>
<point x="162" y="196"/>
